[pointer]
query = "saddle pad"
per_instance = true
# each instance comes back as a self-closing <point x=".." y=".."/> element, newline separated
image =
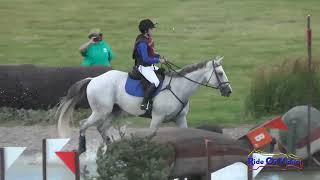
<point x="134" y="88"/>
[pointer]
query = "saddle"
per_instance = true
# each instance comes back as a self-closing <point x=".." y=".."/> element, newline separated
<point x="136" y="75"/>
<point x="137" y="84"/>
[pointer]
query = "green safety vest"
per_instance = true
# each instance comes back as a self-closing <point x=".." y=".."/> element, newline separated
<point x="97" y="54"/>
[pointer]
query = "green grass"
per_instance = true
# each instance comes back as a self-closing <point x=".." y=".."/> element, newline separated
<point x="249" y="33"/>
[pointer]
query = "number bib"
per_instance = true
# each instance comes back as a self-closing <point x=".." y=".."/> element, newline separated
<point x="259" y="137"/>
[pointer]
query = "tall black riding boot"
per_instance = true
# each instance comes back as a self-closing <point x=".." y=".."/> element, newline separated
<point x="147" y="96"/>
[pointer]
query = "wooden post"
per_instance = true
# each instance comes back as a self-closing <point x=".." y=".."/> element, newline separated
<point x="310" y="86"/>
<point x="2" y="165"/>
<point x="250" y="172"/>
<point x="292" y="136"/>
<point x="208" y="159"/>
<point x="77" y="161"/>
<point x="44" y="159"/>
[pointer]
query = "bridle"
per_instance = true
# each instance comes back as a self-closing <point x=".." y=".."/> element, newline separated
<point x="214" y="71"/>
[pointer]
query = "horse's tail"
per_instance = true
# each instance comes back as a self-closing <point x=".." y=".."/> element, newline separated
<point x="67" y="104"/>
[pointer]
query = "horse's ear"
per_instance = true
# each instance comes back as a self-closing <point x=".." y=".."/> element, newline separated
<point x="219" y="59"/>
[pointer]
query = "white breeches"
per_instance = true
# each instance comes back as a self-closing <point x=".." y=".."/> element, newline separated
<point x="149" y="74"/>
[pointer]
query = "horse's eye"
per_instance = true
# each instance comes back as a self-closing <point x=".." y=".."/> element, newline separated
<point x="220" y="73"/>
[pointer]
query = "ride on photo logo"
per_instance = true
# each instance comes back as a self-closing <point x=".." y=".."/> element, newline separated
<point x="257" y="159"/>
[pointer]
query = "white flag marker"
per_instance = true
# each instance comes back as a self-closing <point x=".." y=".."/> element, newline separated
<point x="239" y="170"/>
<point x="11" y="154"/>
<point x="256" y="168"/>
<point x="54" y="145"/>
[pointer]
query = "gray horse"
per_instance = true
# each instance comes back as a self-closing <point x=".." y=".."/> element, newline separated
<point x="108" y="100"/>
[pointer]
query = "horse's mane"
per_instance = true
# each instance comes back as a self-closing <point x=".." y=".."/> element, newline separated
<point x="186" y="70"/>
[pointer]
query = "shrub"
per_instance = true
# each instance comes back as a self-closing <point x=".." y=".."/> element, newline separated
<point x="278" y="88"/>
<point x="133" y="159"/>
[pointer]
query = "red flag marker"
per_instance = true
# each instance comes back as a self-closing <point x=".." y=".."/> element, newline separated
<point x="276" y="123"/>
<point x="69" y="159"/>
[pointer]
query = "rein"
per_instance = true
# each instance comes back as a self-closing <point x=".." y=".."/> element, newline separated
<point x="170" y="64"/>
<point x="168" y="87"/>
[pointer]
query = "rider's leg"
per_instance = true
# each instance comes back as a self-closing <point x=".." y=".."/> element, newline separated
<point x="155" y="67"/>
<point x="151" y="76"/>
<point x="147" y="96"/>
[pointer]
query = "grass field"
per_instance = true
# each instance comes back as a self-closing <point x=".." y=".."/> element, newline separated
<point x="249" y="33"/>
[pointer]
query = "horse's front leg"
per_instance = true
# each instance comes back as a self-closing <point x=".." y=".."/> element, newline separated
<point x="156" y="121"/>
<point x="181" y="122"/>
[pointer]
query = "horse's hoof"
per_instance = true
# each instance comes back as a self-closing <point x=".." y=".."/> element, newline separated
<point x="82" y="144"/>
<point x="81" y="150"/>
<point x="108" y="140"/>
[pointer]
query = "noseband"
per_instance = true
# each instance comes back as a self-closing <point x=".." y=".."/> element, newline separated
<point x="220" y="84"/>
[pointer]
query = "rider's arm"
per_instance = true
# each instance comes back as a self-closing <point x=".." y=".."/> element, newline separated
<point x="143" y="51"/>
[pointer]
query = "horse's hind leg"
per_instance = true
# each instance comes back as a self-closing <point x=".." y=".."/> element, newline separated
<point x="103" y="128"/>
<point x="93" y="119"/>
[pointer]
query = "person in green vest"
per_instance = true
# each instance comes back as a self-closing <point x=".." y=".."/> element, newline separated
<point x="96" y="51"/>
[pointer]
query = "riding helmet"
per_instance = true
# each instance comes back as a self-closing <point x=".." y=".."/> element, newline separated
<point x="146" y="24"/>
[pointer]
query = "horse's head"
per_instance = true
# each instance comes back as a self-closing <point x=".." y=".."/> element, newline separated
<point x="216" y="76"/>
